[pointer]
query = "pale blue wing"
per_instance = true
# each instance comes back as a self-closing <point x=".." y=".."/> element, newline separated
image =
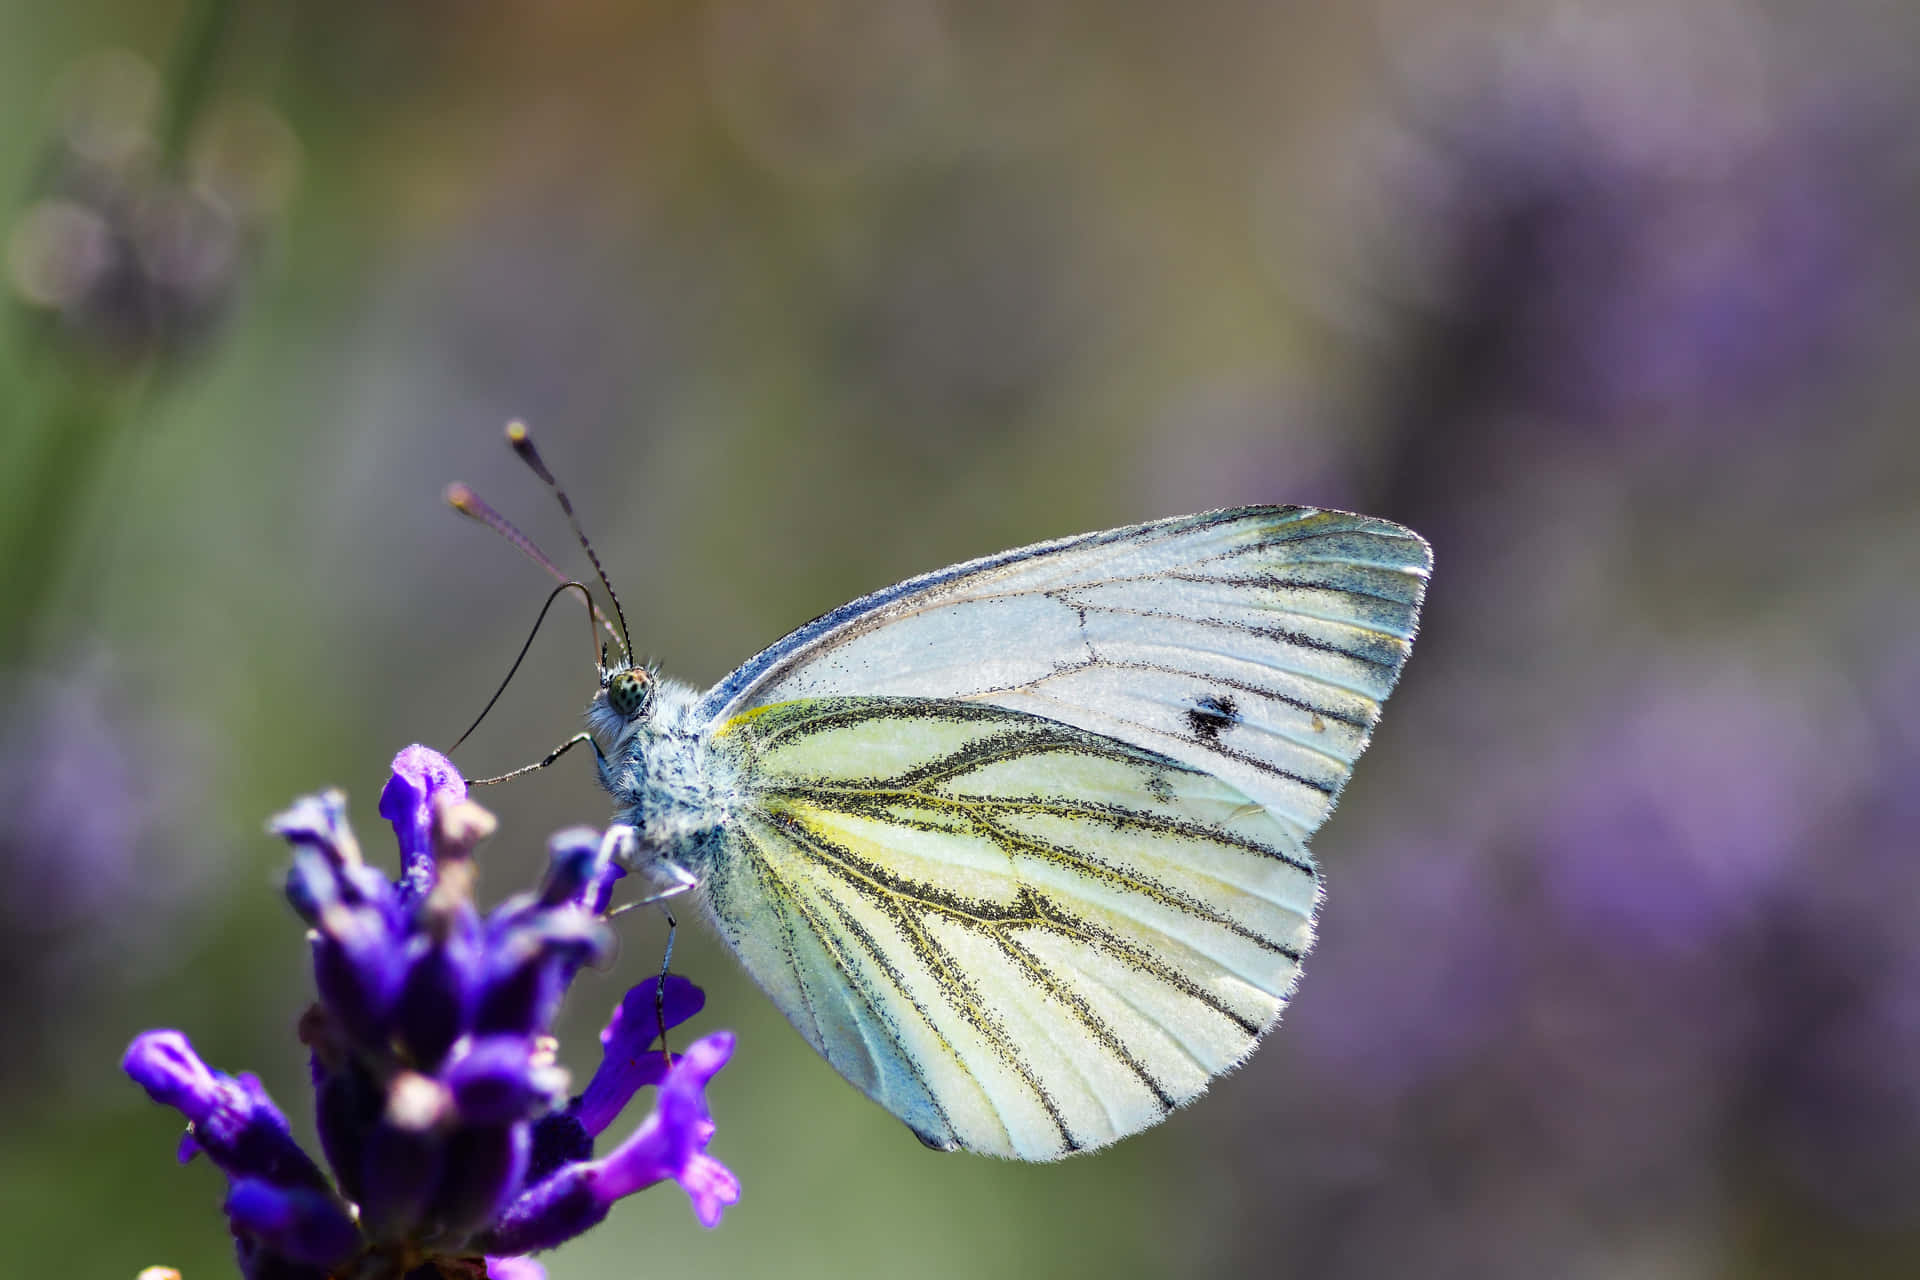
<point x="1255" y="644"/>
<point x="1021" y="938"/>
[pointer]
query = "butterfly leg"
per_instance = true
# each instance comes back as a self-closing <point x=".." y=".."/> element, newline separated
<point x="660" y="987"/>
<point x="683" y="881"/>
<point x="551" y="756"/>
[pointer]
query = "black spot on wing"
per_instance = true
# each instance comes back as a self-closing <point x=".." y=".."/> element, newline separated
<point x="1212" y="716"/>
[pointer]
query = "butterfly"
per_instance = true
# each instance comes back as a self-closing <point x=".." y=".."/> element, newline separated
<point x="1020" y="846"/>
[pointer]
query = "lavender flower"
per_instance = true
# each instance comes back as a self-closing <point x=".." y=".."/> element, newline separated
<point x="442" y="1110"/>
<point x="127" y="253"/>
<point x="1631" y="226"/>
<point x="93" y="788"/>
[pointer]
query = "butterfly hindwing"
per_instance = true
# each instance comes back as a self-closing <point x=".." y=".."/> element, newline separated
<point x="1020" y="937"/>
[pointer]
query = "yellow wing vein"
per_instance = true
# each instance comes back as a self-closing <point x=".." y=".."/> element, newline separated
<point x="781" y="904"/>
<point x="889" y="791"/>
<point x="1085" y="864"/>
<point x="964" y="997"/>
<point x="861" y="988"/>
<point x="960" y="993"/>
<point x="979" y="815"/>
<point x="1031" y="910"/>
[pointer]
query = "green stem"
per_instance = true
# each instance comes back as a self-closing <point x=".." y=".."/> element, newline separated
<point x="55" y="475"/>
<point x="70" y="427"/>
<point x="190" y="74"/>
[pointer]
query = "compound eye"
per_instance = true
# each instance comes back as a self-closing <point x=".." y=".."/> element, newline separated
<point x="630" y="692"/>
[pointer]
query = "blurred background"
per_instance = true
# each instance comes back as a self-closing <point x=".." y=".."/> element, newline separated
<point x="1619" y="972"/>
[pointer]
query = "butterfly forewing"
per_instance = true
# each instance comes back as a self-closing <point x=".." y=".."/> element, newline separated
<point x="1256" y="644"/>
<point x="1020" y="937"/>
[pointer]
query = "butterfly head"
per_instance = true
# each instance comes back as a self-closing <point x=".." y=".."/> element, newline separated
<point x="626" y="704"/>
<point x="630" y="692"/>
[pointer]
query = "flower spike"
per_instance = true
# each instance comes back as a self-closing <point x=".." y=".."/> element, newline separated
<point x="441" y="1105"/>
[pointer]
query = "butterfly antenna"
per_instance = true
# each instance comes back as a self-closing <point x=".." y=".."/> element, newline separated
<point x="592" y="640"/>
<point x="522" y="444"/>
<point x="474" y="507"/>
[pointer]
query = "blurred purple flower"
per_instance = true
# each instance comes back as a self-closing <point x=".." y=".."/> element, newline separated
<point x="1586" y="1024"/>
<point x="88" y="791"/>
<point x="124" y="254"/>
<point x="441" y="1109"/>
<point x="1385" y="1024"/>
<point x="1683" y="809"/>
<point x="1838" y="1095"/>
<point x="1653" y="224"/>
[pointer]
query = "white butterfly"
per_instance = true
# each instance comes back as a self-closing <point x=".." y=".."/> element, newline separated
<point x="1020" y="847"/>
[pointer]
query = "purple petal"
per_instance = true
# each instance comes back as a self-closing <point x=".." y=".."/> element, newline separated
<point x="319" y="822"/>
<point x="316" y="826"/>
<point x="304" y="1226"/>
<point x="532" y="961"/>
<point x="312" y="885"/>
<point x="636" y="1021"/>
<point x="422" y="778"/>
<point x="600" y="892"/>
<point x="558" y="1139"/>
<point x="678" y="1129"/>
<point x="347" y="1104"/>
<point x="500" y="1079"/>
<point x="625" y="1064"/>
<point x="573" y="866"/>
<point x="485" y="1168"/>
<point x="711" y="1186"/>
<point x="358" y="966"/>
<point x="441" y="989"/>
<point x="614" y="1085"/>
<point x="671" y="1143"/>
<point x="165" y="1065"/>
<point x="233" y="1120"/>
<point x="555" y="1211"/>
<point x="515" y="1269"/>
<point x="616" y="848"/>
<point x="400" y="1171"/>
<point x="402" y="1161"/>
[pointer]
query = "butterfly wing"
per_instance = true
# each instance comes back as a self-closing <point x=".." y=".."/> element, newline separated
<point x="1020" y="937"/>
<point x="1255" y="644"/>
<point x="1020" y="846"/>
